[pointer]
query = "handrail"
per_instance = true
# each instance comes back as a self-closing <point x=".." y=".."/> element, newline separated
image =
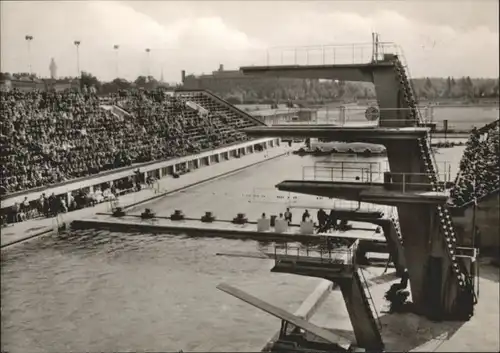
<point x="363" y="175"/>
<point x="328" y="54"/>
<point x="307" y="252"/>
<point x="229" y="106"/>
<point x="339" y="204"/>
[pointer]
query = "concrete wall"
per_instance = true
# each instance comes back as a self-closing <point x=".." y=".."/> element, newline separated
<point x="390" y="96"/>
<point x="487" y="220"/>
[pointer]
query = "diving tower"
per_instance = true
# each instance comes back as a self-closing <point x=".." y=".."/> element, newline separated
<point x="384" y="69"/>
<point x="440" y="270"/>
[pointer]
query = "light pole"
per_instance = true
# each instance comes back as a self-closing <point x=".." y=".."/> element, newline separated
<point x="77" y="45"/>
<point x="147" y="63"/>
<point x="116" y="47"/>
<point x="29" y="38"/>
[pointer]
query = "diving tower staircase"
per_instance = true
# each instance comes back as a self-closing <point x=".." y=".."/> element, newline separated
<point x="441" y="279"/>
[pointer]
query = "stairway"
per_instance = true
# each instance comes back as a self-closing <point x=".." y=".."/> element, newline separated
<point x="397" y="227"/>
<point x="466" y="297"/>
<point x="368" y="301"/>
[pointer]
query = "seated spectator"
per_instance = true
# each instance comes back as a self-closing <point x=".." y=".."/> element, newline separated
<point x="50" y="137"/>
<point x="479" y="167"/>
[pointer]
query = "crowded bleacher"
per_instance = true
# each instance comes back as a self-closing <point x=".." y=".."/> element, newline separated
<point x="50" y="137"/>
<point x="478" y="175"/>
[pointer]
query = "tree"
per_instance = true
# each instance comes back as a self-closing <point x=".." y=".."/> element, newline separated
<point x="449" y="86"/>
<point x="5" y="76"/>
<point x="88" y="80"/>
<point x="141" y="81"/>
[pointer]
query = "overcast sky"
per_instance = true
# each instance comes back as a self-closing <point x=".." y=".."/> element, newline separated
<point x="439" y="38"/>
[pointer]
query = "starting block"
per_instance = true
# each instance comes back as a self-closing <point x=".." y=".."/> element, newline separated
<point x="281" y="226"/>
<point x="307" y="227"/>
<point x="263" y="224"/>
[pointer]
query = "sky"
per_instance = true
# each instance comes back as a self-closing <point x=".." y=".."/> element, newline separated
<point x="439" y="38"/>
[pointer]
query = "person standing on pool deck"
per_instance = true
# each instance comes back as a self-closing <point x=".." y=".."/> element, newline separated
<point x="288" y="216"/>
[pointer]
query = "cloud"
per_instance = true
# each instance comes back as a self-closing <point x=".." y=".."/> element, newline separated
<point x="192" y="43"/>
<point x="180" y="37"/>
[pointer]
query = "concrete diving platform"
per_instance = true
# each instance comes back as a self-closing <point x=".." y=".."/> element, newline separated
<point x="355" y="191"/>
<point x="344" y="72"/>
<point x="339" y="266"/>
<point x="375" y="134"/>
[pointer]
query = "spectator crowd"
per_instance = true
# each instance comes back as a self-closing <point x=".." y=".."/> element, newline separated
<point x="479" y="167"/>
<point x="50" y="137"/>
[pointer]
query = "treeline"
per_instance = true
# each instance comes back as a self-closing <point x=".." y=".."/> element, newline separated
<point x="271" y="90"/>
<point x="251" y="91"/>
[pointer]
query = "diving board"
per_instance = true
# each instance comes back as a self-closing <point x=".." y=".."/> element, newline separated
<point x="286" y="316"/>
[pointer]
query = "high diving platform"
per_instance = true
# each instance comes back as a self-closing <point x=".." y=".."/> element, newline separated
<point x="375" y="192"/>
<point x="441" y="281"/>
<point x="369" y="134"/>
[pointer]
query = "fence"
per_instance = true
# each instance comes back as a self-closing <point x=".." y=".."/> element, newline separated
<point x="363" y="172"/>
<point x="344" y="256"/>
<point x="329" y="54"/>
<point x="368" y="173"/>
<point x="351" y="115"/>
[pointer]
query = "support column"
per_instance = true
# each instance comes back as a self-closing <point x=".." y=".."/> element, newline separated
<point x="160" y="173"/>
<point x="390" y="96"/>
<point x="395" y="247"/>
<point x="363" y="323"/>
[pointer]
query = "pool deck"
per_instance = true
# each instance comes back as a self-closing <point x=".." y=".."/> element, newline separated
<point x="221" y="228"/>
<point x="18" y="232"/>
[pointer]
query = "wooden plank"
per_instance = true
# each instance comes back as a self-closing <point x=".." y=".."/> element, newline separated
<point x="285" y="315"/>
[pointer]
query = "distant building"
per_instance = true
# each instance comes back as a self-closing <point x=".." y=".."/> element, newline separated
<point x="26" y="84"/>
<point x="220" y="81"/>
<point x="53" y="69"/>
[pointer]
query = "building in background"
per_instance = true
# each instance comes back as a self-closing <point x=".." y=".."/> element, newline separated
<point x="53" y="69"/>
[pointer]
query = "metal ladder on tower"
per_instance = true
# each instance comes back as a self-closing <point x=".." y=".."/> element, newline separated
<point x="368" y="299"/>
<point x="430" y="164"/>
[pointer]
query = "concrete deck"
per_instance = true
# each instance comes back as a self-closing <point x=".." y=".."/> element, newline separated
<point x="409" y="332"/>
<point x="374" y="134"/>
<point x="223" y="229"/>
<point x="31" y="228"/>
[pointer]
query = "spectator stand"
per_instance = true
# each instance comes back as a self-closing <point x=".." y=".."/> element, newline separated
<point x="479" y="170"/>
<point x="66" y="139"/>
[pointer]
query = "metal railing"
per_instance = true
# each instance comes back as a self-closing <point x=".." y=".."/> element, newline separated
<point x="401" y="181"/>
<point x="358" y="123"/>
<point x="340" y="256"/>
<point x="345" y="171"/>
<point x="414" y="181"/>
<point x="344" y="205"/>
<point x="329" y="54"/>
